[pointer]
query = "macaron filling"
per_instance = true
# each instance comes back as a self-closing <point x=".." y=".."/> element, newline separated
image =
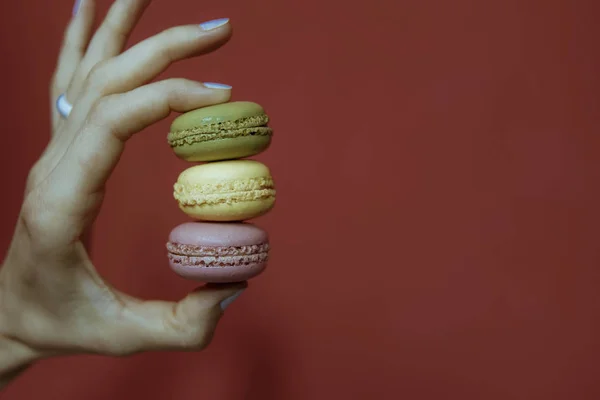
<point x="225" y="192"/>
<point x="248" y="126"/>
<point x="217" y="257"/>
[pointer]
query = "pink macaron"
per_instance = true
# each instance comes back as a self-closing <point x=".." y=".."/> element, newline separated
<point x="218" y="252"/>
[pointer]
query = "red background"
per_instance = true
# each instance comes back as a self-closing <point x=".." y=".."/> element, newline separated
<point x="437" y="228"/>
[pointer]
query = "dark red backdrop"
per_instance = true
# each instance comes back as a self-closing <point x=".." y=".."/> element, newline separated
<point x="437" y="231"/>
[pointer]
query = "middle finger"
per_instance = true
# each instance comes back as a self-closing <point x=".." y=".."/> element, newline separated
<point x="145" y="61"/>
<point x="110" y="38"/>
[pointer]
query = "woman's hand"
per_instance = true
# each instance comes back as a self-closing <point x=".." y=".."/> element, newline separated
<point x="52" y="300"/>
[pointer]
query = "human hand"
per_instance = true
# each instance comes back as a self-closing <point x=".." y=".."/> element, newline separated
<point x="52" y="299"/>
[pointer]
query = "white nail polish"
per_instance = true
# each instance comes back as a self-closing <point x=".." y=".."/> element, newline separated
<point x="77" y="6"/>
<point x="214" y="85"/>
<point x="214" y="24"/>
<point x="227" y="302"/>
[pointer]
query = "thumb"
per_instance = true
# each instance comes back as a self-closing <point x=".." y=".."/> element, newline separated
<point x="186" y="325"/>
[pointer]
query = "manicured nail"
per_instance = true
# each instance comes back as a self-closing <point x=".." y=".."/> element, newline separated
<point x="213" y="85"/>
<point x="76" y="6"/>
<point x="214" y="24"/>
<point x="227" y="302"/>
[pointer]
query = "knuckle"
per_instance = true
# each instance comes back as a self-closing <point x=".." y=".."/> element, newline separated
<point x="168" y="43"/>
<point x="107" y="114"/>
<point x="176" y="90"/>
<point x="69" y="41"/>
<point x="47" y="224"/>
<point x="34" y="177"/>
<point x="30" y="209"/>
<point x="116" y="29"/>
<point x="35" y="216"/>
<point x="171" y="88"/>
<point x="196" y="334"/>
<point x="198" y="339"/>
<point x="59" y="82"/>
<point x="101" y="111"/>
<point x="179" y="84"/>
<point x="166" y="54"/>
<point x="97" y="78"/>
<point x="200" y="335"/>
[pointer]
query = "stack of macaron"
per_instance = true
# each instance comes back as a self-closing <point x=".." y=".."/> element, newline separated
<point x="221" y="192"/>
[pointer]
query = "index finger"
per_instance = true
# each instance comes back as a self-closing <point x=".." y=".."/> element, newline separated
<point x="74" y="189"/>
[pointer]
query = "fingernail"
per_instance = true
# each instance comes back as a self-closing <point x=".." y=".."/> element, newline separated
<point x="227" y="302"/>
<point x="214" y="24"/>
<point x="214" y="85"/>
<point x="76" y="6"/>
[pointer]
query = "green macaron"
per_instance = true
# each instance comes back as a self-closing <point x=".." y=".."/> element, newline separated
<point x="221" y="132"/>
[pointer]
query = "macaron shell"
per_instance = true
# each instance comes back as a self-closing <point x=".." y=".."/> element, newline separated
<point x="218" y="274"/>
<point x="216" y="114"/>
<point x="223" y="149"/>
<point x="218" y="234"/>
<point x="217" y="172"/>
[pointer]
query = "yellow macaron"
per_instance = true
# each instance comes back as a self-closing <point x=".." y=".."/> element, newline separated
<point x="234" y="190"/>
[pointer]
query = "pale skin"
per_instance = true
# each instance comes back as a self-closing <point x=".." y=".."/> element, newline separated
<point x="53" y="302"/>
